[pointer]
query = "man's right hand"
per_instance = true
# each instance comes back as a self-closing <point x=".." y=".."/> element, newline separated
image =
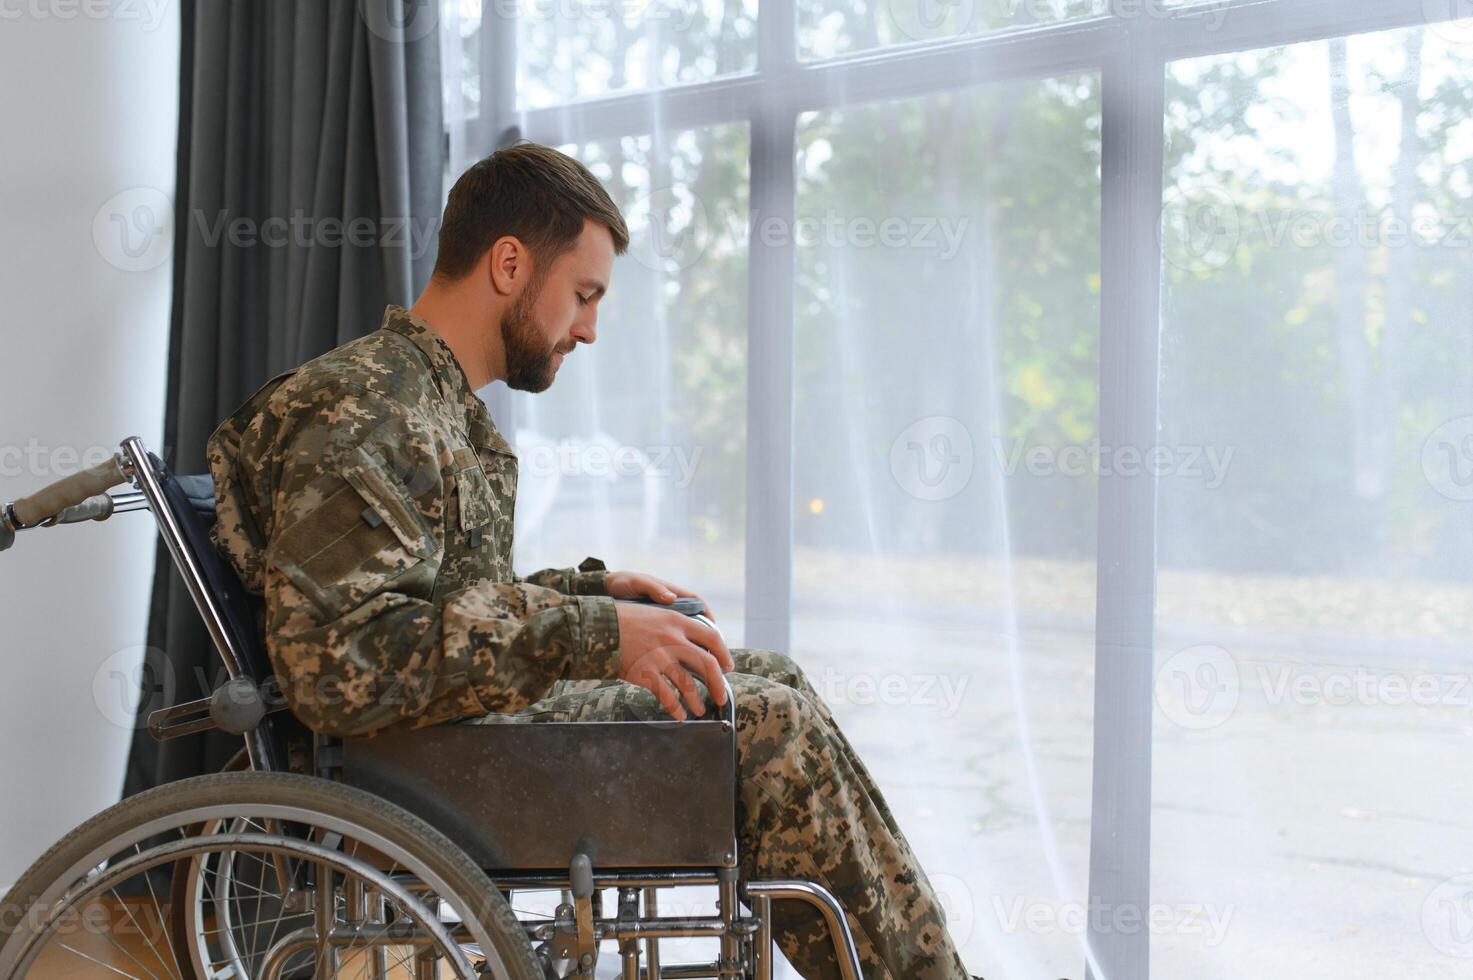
<point x="660" y="650"/>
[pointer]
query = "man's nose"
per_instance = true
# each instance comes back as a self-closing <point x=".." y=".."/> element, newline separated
<point x="585" y="329"/>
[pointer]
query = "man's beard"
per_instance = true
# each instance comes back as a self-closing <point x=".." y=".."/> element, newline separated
<point x="529" y="365"/>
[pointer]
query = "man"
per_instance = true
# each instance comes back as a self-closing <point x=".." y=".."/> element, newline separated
<point x="369" y="498"/>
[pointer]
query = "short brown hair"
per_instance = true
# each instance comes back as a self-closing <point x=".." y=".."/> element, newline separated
<point x="531" y="192"/>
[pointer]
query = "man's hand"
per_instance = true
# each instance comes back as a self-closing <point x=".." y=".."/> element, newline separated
<point x="659" y="649"/>
<point x="637" y="585"/>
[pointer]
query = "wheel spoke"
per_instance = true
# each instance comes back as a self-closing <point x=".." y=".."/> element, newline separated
<point x="92" y="959"/>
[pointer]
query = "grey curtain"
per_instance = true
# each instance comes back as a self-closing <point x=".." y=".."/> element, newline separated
<point x="310" y="172"/>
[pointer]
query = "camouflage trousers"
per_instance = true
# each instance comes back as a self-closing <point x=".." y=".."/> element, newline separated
<point x="806" y="808"/>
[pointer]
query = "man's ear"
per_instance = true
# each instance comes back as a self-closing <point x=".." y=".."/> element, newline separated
<point x="509" y="264"/>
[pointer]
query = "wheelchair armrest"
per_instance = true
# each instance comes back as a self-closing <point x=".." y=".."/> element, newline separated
<point x="525" y="797"/>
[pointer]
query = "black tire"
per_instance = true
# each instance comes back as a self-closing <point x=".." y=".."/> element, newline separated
<point x="119" y="826"/>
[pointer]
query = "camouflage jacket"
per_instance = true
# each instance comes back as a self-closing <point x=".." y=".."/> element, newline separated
<point x="368" y="497"/>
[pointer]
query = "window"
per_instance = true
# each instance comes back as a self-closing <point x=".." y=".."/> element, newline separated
<point x="1079" y="389"/>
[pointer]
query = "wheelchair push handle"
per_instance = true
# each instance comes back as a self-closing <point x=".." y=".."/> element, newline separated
<point x="80" y="497"/>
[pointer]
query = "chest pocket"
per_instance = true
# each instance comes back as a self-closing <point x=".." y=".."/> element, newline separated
<point x="477" y="501"/>
<point x="365" y="533"/>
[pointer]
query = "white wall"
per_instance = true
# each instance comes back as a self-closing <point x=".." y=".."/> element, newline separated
<point x="89" y="107"/>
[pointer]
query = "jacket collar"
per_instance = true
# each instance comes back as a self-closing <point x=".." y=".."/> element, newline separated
<point x="449" y="377"/>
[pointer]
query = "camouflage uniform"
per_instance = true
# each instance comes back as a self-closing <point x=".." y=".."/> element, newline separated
<point x="369" y="498"/>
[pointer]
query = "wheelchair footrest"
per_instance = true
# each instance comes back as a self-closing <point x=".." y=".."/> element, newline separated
<point x="528" y="797"/>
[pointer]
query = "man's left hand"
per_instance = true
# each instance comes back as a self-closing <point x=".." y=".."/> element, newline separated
<point x="637" y="585"/>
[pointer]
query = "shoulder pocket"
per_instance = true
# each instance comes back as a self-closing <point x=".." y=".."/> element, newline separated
<point x="370" y="475"/>
<point x="364" y="532"/>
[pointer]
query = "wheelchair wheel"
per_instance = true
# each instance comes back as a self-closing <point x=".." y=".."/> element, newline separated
<point x="293" y="875"/>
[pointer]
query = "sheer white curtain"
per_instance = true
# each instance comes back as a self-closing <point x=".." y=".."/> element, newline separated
<point x="949" y="332"/>
<point x="1314" y="609"/>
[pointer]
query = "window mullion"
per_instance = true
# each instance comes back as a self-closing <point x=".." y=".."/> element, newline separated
<point x="777" y="38"/>
<point x="1133" y="87"/>
<point x="498" y="75"/>
<point x="770" y="384"/>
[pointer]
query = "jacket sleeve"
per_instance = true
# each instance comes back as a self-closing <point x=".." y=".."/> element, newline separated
<point x="355" y="631"/>
<point x="586" y="579"/>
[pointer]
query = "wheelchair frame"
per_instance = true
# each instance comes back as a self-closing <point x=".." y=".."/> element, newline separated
<point x="703" y="848"/>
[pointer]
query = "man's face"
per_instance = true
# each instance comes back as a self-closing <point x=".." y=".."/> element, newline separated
<point x="557" y="310"/>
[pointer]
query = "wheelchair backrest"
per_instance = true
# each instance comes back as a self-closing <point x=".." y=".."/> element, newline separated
<point x="231" y="614"/>
<point x="191" y="501"/>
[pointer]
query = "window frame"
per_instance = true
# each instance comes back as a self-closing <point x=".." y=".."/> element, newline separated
<point x="1130" y="47"/>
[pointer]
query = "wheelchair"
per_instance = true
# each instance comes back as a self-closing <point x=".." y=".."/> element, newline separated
<point x="399" y="855"/>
